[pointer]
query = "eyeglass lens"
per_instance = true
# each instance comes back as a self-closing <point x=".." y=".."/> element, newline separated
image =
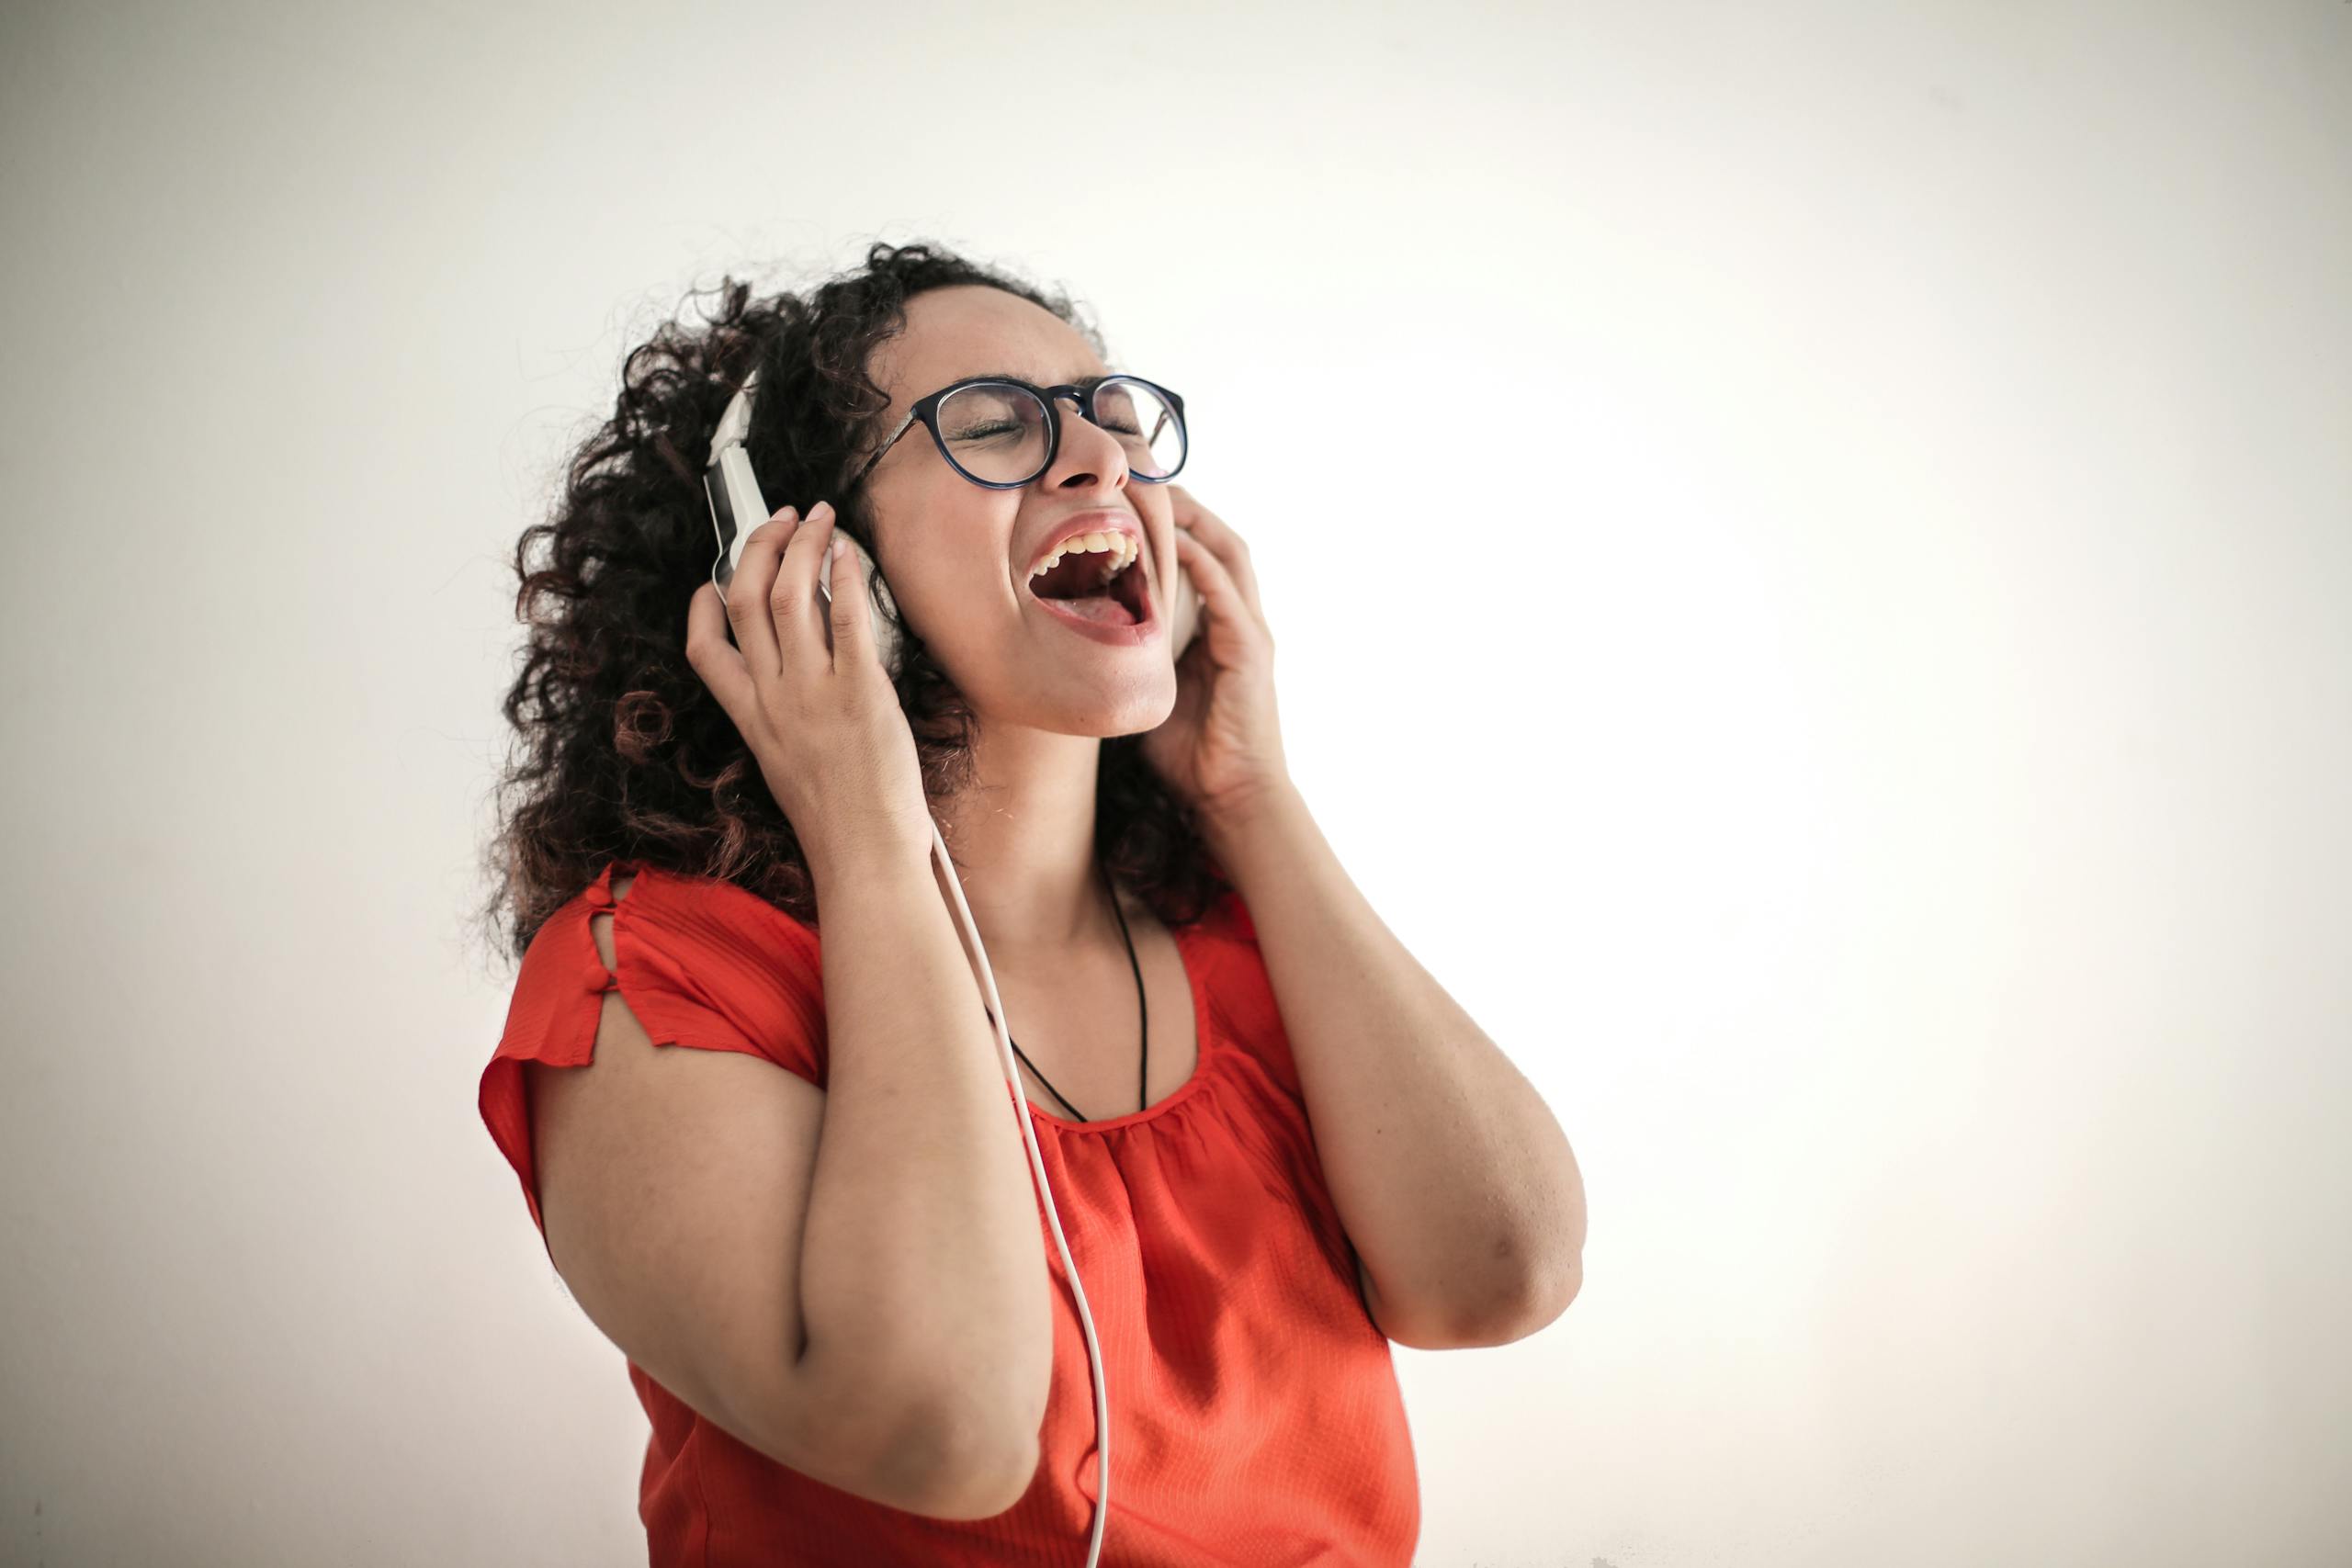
<point x="996" y="431"/>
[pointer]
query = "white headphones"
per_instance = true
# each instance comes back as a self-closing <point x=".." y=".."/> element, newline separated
<point x="737" y="508"/>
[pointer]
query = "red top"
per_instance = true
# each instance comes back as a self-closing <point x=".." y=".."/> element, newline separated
<point x="1256" y="1414"/>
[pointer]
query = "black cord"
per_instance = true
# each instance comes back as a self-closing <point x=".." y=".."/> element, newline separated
<point x="1143" y="1010"/>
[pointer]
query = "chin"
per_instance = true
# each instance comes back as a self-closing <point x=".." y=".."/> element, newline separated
<point x="1135" y="708"/>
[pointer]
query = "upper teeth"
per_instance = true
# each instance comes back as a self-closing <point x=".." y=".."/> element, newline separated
<point x="1123" y="550"/>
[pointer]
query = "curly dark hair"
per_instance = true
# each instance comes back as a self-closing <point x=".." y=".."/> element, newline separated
<point x="622" y="752"/>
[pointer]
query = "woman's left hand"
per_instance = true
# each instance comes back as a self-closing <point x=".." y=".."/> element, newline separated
<point x="1220" y="748"/>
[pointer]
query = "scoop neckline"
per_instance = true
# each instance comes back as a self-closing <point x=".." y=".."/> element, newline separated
<point x="1185" y="936"/>
<point x="1207" y="1048"/>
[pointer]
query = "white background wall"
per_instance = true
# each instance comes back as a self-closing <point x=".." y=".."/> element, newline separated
<point x="1835" y="651"/>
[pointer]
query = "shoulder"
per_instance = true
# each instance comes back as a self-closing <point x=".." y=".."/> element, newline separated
<point x="1227" y="918"/>
<point x="698" y="959"/>
<point x="1233" y="978"/>
<point x="698" y="963"/>
<point x="1223" y="942"/>
<point x="696" y="910"/>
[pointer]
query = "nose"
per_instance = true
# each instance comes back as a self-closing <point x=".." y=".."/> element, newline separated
<point x="1087" y="454"/>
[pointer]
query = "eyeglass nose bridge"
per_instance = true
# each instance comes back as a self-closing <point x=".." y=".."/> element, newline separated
<point x="1079" y="397"/>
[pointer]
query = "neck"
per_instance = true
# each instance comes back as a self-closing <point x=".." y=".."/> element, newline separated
<point x="1024" y="839"/>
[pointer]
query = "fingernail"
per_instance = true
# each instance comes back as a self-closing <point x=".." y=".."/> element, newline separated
<point x="841" y="544"/>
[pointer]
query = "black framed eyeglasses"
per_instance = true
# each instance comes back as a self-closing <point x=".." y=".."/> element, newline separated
<point x="1002" y="434"/>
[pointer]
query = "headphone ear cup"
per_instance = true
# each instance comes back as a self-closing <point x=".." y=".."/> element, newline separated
<point x="882" y="610"/>
<point x="1184" y="613"/>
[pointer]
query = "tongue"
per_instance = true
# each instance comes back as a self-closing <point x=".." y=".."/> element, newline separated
<point x="1101" y="608"/>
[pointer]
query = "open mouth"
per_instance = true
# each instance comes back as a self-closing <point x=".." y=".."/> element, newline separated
<point x="1091" y="585"/>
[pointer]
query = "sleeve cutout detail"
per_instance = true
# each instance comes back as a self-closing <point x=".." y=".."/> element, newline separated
<point x="695" y="970"/>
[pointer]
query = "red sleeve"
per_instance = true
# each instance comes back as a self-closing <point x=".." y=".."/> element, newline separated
<point x="700" y="963"/>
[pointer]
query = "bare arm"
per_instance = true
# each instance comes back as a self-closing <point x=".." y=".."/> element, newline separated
<point x="922" y="1248"/>
<point x="683" y="1189"/>
<point x="1452" y="1178"/>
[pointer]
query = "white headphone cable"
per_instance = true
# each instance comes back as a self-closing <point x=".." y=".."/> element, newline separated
<point x="946" y="866"/>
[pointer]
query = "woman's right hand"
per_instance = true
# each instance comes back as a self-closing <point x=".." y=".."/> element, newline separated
<point x="823" y="725"/>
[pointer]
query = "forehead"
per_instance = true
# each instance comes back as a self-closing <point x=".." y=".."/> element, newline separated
<point x="973" y="330"/>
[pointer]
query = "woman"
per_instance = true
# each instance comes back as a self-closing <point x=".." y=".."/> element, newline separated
<point x="859" y="1346"/>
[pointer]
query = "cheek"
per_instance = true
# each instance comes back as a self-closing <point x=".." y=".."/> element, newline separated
<point x="948" y="552"/>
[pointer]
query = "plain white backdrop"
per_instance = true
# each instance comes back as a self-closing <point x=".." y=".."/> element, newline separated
<point x="1809" y="546"/>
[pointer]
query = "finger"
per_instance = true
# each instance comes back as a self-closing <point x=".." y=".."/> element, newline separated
<point x="1229" y="548"/>
<point x="853" y="621"/>
<point x="795" y="611"/>
<point x="716" y="660"/>
<point x="1213" y="578"/>
<point x="747" y="591"/>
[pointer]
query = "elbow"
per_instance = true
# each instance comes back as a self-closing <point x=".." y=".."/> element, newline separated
<point x="1551" y="1273"/>
<point x="1543" y="1271"/>
<point x="1529" y="1309"/>
<point x="1494" y="1317"/>
<point x="983" y="1485"/>
<point x="1551" y="1297"/>
<point x="957" y="1463"/>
